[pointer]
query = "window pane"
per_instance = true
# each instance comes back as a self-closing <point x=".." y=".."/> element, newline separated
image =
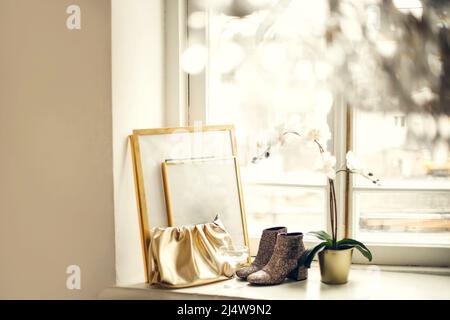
<point x="299" y="209"/>
<point x="402" y="150"/>
<point x="251" y="84"/>
<point x="403" y="217"/>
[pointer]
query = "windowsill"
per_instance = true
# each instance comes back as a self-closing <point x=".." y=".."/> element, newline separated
<point x="365" y="282"/>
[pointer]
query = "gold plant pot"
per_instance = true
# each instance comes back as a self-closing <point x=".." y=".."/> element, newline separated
<point x="335" y="265"/>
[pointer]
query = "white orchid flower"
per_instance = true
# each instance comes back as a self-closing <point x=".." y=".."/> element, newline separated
<point x="320" y="133"/>
<point x="328" y="165"/>
<point x="355" y="166"/>
<point x="353" y="163"/>
<point x="268" y="142"/>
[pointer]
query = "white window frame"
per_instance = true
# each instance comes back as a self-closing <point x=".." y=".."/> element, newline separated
<point x="187" y="103"/>
<point x="176" y="82"/>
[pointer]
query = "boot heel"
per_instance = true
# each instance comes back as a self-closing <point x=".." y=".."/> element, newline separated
<point x="298" y="274"/>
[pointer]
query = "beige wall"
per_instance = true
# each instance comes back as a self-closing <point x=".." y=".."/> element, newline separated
<point x="56" y="179"/>
<point x="137" y="82"/>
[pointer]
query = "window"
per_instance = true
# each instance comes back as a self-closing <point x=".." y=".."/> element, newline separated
<point x="247" y="77"/>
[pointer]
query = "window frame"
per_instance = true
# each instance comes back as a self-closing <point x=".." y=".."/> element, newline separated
<point x="193" y="103"/>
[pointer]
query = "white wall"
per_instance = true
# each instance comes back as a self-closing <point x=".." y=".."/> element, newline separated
<point x="57" y="162"/>
<point x="56" y="179"/>
<point x="137" y="97"/>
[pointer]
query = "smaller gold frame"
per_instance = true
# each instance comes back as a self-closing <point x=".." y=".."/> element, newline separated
<point x="167" y="195"/>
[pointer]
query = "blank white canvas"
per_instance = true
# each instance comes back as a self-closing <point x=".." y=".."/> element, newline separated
<point x="199" y="190"/>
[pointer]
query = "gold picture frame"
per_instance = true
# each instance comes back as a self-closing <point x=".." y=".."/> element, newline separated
<point x="142" y="193"/>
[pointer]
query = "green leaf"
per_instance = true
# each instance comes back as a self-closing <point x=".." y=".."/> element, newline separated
<point x="352" y="242"/>
<point x="322" y="235"/>
<point x="356" y="244"/>
<point x="309" y="254"/>
<point x="365" y="253"/>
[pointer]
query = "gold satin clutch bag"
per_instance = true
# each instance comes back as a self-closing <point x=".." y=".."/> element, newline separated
<point x="189" y="255"/>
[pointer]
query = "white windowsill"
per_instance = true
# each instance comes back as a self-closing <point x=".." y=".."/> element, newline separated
<point x="365" y="282"/>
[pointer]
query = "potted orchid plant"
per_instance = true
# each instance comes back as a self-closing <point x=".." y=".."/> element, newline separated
<point x="335" y="254"/>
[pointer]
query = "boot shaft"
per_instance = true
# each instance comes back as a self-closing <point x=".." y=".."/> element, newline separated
<point x="289" y="246"/>
<point x="267" y="245"/>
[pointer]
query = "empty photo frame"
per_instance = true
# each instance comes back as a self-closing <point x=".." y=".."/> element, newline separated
<point x="198" y="190"/>
<point x="151" y="147"/>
